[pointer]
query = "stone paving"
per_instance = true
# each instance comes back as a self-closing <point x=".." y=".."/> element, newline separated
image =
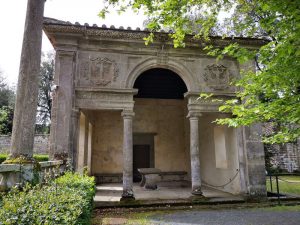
<point x="113" y="192"/>
<point x="227" y="217"/>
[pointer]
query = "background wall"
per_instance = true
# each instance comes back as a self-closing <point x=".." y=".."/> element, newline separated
<point x="165" y="118"/>
<point x="40" y="144"/>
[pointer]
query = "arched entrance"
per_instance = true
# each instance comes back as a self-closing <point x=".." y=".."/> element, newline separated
<point x="159" y="124"/>
<point x="160" y="83"/>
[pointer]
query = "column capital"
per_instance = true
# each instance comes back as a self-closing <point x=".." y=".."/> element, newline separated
<point x="75" y="112"/>
<point x="65" y="53"/>
<point x="127" y="113"/>
<point x="194" y="114"/>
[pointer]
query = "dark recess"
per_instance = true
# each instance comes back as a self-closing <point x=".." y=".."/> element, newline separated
<point x="160" y="83"/>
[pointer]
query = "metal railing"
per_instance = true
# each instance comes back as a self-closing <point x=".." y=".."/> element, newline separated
<point x="277" y="178"/>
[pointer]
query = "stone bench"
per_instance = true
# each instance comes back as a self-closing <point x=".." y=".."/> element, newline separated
<point x="150" y="177"/>
<point x="174" y="179"/>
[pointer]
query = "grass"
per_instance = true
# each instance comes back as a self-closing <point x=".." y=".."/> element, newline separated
<point x="287" y="184"/>
<point x="282" y="208"/>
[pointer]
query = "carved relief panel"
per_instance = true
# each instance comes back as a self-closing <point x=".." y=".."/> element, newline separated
<point x="97" y="72"/>
<point x="217" y="77"/>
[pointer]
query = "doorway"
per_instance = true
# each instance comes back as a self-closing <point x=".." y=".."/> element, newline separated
<point x="143" y="153"/>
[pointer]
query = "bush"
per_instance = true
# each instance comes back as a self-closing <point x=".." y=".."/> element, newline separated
<point x="67" y="200"/>
<point x="38" y="157"/>
<point x="3" y="157"/>
<point x="41" y="158"/>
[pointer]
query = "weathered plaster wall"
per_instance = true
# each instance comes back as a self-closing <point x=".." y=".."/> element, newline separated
<point x="165" y="118"/>
<point x="107" y="141"/>
<point x="210" y="174"/>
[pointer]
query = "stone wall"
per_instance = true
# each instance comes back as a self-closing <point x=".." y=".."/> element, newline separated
<point x="286" y="156"/>
<point x="40" y="144"/>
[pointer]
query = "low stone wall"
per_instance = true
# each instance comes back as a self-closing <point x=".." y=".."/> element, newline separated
<point x="40" y="144"/>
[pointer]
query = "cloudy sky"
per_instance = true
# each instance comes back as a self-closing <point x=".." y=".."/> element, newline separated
<point x="12" y="18"/>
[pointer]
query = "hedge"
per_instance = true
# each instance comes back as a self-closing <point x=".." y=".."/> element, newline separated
<point x="67" y="200"/>
<point x="38" y="157"/>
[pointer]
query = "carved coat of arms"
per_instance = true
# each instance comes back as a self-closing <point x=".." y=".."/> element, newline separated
<point x="217" y="76"/>
<point x="98" y="72"/>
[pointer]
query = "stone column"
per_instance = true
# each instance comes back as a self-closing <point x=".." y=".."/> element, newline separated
<point x="194" y="152"/>
<point x="127" y="155"/>
<point x="255" y="161"/>
<point x="28" y="82"/>
<point x="74" y="138"/>
<point x="64" y="117"/>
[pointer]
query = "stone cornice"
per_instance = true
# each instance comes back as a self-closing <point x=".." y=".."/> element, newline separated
<point x="53" y="26"/>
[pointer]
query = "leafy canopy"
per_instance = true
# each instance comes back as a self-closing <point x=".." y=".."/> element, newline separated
<point x="272" y="93"/>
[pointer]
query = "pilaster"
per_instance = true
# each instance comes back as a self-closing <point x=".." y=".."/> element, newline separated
<point x="64" y="117"/>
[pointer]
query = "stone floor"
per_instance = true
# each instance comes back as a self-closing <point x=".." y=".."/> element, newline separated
<point x="108" y="194"/>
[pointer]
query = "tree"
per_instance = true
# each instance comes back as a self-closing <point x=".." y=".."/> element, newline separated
<point x="7" y="100"/>
<point x="45" y="92"/>
<point x="271" y="94"/>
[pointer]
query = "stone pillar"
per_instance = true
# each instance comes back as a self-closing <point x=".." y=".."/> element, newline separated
<point x="194" y="152"/>
<point x="64" y="118"/>
<point x="127" y="155"/>
<point x="256" y="170"/>
<point x="74" y="138"/>
<point x="28" y="82"/>
<point x="83" y="142"/>
<point x="89" y="156"/>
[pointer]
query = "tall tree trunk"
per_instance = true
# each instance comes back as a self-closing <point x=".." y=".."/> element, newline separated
<point x="28" y="82"/>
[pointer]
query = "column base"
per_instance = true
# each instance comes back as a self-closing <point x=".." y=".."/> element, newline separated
<point x="127" y="195"/>
<point x="197" y="191"/>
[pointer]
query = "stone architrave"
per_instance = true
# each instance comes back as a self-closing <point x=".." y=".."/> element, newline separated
<point x="127" y="155"/>
<point x="28" y="82"/>
<point x="194" y="152"/>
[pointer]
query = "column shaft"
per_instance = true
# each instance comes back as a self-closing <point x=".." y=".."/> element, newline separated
<point x="195" y="156"/>
<point x="127" y="156"/>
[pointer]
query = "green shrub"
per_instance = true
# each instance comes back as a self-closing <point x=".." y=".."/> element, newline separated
<point x="3" y="157"/>
<point x="38" y="157"/>
<point x="41" y="158"/>
<point x="67" y="200"/>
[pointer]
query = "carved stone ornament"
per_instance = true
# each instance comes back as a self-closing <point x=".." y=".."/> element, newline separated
<point x="217" y="77"/>
<point x="98" y="72"/>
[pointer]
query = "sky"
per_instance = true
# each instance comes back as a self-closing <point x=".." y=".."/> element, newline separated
<point x="12" y="19"/>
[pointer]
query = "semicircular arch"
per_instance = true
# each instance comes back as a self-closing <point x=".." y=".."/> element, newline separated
<point x="151" y="63"/>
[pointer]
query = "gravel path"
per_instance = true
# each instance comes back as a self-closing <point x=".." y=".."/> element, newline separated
<point x="228" y="217"/>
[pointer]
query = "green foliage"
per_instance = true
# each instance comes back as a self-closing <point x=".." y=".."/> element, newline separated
<point x="6" y="119"/>
<point x="45" y="92"/>
<point x="7" y="98"/>
<point x="3" y="157"/>
<point x="67" y="200"/>
<point x="7" y="94"/>
<point x="270" y="94"/>
<point x="37" y="157"/>
<point x="41" y="157"/>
